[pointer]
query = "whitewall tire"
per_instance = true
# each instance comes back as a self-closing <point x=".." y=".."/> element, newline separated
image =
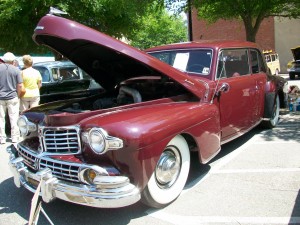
<point x="170" y="175"/>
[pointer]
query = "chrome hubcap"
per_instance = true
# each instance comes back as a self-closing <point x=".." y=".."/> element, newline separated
<point x="168" y="167"/>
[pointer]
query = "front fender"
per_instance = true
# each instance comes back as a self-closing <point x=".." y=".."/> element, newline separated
<point x="147" y="130"/>
<point x="143" y="126"/>
<point x="203" y="128"/>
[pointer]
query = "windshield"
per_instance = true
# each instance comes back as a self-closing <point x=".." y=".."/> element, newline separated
<point x="193" y="61"/>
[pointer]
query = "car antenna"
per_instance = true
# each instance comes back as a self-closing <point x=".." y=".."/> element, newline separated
<point x="55" y="11"/>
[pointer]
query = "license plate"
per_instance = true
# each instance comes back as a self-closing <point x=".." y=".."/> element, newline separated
<point x="33" y="182"/>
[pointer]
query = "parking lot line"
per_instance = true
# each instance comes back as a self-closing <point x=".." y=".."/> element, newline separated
<point x="274" y="170"/>
<point x="200" y="220"/>
<point x="216" y="167"/>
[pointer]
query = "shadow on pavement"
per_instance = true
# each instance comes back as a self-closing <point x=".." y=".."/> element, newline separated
<point x="61" y="212"/>
<point x="237" y="143"/>
<point x="198" y="170"/>
<point x="18" y="200"/>
<point x="296" y="210"/>
<point x="14" y="200"/>
<point x="288" y="128"/>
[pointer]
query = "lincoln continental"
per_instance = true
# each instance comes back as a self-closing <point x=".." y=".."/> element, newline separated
<point x="133" y="141"/>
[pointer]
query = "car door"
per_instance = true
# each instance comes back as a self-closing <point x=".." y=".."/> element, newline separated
<point x="237" y="102"/>
<point x="258" y="70"/>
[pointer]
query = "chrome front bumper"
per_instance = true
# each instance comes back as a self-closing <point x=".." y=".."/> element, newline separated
<point x="107" y="192"/>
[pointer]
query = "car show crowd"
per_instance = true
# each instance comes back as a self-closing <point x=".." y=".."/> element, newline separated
<point x="19" y="90"/>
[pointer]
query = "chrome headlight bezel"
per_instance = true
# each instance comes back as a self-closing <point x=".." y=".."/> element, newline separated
<point x="25" y="126"/>
<point x="100" y="142"/>
<point x="98" y="146"/>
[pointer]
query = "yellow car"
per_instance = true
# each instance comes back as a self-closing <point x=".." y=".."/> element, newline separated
<point x="272" y="60"/>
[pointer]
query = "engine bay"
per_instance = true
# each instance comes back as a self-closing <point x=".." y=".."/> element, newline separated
<point x="132" y="91"/>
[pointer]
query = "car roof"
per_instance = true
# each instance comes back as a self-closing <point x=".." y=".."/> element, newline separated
<point x="55" y="64"/>
<point x="214" y="44"/>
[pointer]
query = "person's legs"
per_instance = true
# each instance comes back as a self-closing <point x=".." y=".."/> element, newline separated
<point x="24" y="104"/>
<point x="34" y="101"/>
<point x="2" y="121"/>
<point x="13" y="112"/>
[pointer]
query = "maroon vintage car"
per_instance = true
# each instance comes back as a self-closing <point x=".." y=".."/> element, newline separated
<point x="133" y="141"/>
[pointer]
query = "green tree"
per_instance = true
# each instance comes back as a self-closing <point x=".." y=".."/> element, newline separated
<point x="159" y="27"/>
<point x="251" y="12"/>
<point x="18" y="19"/>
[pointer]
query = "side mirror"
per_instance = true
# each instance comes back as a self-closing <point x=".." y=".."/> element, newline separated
<point x="224" y="88"/>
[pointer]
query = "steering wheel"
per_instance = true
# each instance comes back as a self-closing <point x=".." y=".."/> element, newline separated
<point x="197" y="68"/>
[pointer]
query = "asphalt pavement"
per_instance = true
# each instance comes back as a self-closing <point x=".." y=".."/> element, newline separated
<point x="254" y="180"/>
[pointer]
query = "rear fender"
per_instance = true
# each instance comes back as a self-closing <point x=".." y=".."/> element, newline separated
<point x="271" y="90"/>
<point x="270" y="98"/>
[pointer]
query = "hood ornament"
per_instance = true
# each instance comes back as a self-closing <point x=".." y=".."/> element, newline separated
<point x="54" y="11"/>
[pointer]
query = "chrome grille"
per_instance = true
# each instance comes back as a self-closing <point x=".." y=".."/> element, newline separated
<point x="64" y="140"/>
<point x="61" y="170"/>
<point x="64" y="170"/>
<point x="29" y="159"/>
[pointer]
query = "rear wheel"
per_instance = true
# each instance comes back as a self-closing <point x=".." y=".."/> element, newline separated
<point x="273" y="121"/>
<point x="170" y="175"/>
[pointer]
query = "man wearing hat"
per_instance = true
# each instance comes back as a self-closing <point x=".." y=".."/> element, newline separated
<point x="11" y="86"/>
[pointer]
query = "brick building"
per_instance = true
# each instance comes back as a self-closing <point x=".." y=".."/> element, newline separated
<point x="274" y="33"/>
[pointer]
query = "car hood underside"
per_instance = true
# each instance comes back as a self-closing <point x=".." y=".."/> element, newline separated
<point x="106" y="59"/>
<point x="296" y="53"/>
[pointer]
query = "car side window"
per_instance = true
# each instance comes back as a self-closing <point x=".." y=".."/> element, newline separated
<point x="70" y="73"/>
<point x="45" y="76"/>
<point x="233" y="63"/>
<point x="273" y="57"/>
<point x="44" y="73"/>
<point x="55" y="74"/>
<point x="257" y="63"/>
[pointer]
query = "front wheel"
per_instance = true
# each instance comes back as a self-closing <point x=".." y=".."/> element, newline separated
<point x="170" y="174"/>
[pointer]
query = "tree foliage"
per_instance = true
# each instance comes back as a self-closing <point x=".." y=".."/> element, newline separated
<point x="159" y="27"/>
<point x="18" y="19"/>
<point x="251" y="12"/>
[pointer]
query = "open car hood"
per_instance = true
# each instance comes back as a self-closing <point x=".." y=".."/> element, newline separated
<point x="296" y="53"/>
<point x="106" y="59"/>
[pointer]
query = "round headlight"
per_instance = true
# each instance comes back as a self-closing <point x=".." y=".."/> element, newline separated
<point x="23" y="125"/>
<point x="97" y="140"/>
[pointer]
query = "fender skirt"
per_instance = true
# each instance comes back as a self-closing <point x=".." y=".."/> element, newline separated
<point x="270" y="99"/>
